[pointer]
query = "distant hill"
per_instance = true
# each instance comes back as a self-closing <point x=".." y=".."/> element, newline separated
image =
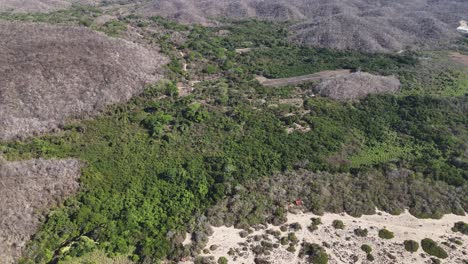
<point x="354" y="24"/>
<point x="379" y="25"/>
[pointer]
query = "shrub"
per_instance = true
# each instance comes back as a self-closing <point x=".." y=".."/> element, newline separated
<point x="316" y="221"/>
<point x="370" y="257"/>
<point x="291" y="249"/>
<point x="315" y="253"/>
<point x="243" y="233"/>
<point x="366" y="248"/>
<point x="222" y="260"/>
<point x="411" y="245"/>
<point x="312" y="227"/>
<point x="361" y="232"/>
<point x="295" y="226"/>
<point x="338" y="224"/>
<point x="461" y="227"/>
<point x="292" y="237"/>
<point x="430" y="247"/>
<point x="386" y="234"/>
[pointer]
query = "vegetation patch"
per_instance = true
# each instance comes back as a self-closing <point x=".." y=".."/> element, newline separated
<point x="411" y="245"/>
<point x="461" y="227"/>
<point x="430" y="247"/>
<point x="386" y="234"/>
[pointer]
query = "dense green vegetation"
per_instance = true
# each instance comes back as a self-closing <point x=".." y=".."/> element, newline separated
<point x="155" y="165"/>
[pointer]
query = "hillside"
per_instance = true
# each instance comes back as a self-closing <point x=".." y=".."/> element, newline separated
<point x="27" y="190"/>
<point x="376" y="26"/>
<point x="75" y="72"/>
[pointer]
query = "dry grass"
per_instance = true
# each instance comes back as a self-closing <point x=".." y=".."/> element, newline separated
<point x="54" y="73"/>
<point x="27" y="190"/>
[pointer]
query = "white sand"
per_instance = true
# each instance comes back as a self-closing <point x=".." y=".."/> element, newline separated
<point x="344" y="244"/>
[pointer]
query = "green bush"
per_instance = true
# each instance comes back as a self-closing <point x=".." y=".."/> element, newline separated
<point x="386" y="234"/>
<point x="314" y="253"/>
<point x="430" y="247"/>
<point x="291" y="249"/>
<point x="292" y="237"/>
<point x="361" y="232"/>
<point x="370" y="257"/>
<point x="411" y="245"/>
<point x="338" y="224"/>
<point x="366" y="248"/>
<point x="222" y="260"/>
<point x="461" y="227"/>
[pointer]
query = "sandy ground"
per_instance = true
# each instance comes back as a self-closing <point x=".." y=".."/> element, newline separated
<point x="301" y="79"/>
<point x="343" y="245"/>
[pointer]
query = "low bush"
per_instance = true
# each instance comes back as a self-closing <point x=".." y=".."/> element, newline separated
<point x="361" y="232"/>
<point x="222" y="260"/>
<point x="461" y="227"/>
<point x="430" y="247"/>
<point x="386" y="234"/>
<point x="366" y="248"/>
<point x="411" y="245"/>
<point x="314" y="253"/>
<point x="338" y="224"/>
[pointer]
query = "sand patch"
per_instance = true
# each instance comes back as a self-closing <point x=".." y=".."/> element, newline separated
<point x="343" y="245"/>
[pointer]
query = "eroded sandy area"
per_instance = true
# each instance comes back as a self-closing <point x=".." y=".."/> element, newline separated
<point x="343" y="246"/>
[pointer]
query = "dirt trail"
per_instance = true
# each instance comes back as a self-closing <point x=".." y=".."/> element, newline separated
<point x="301" y="79"/>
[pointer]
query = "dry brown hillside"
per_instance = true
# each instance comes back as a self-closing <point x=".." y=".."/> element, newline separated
<point x="377" y="26"/>
<point x="53" y="73"/>
<point x="27" y="190"/>
<point x="32" y="5"/>
<point x="357" y="85"/>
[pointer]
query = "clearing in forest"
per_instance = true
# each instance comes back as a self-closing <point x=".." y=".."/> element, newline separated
<point x="459" y="58"/>
<point x="301" y="79"/>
